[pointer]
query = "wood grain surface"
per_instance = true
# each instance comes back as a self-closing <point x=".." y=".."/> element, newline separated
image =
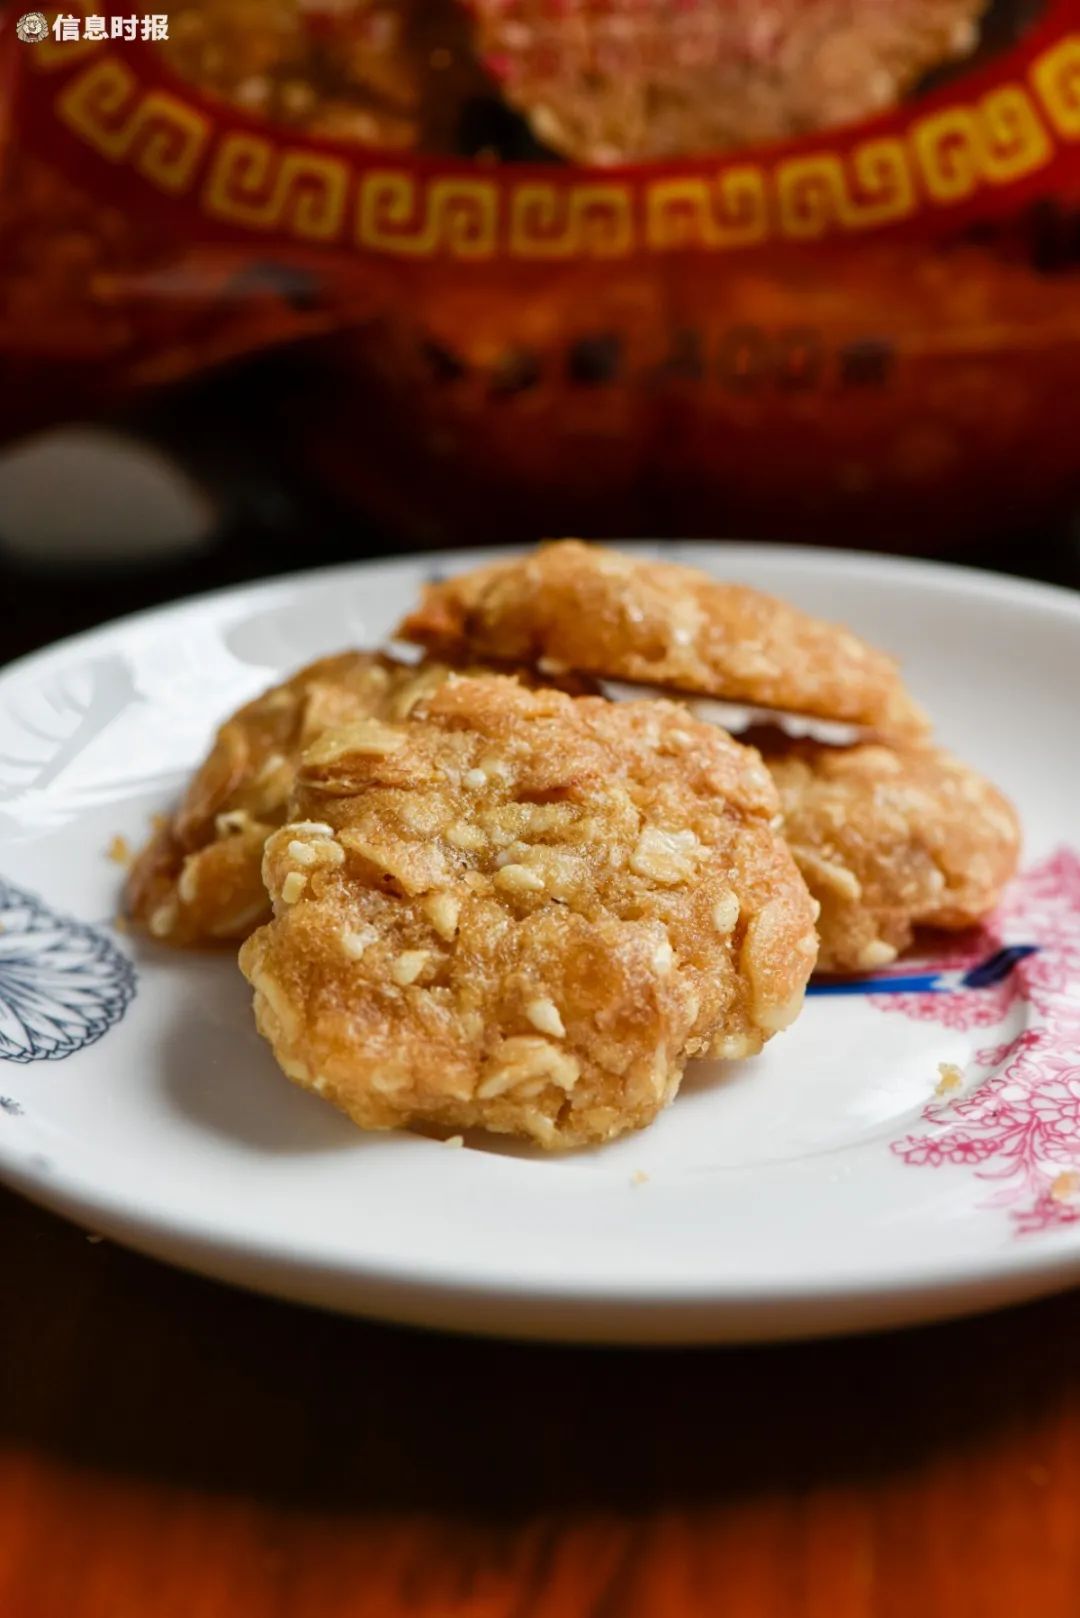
<point x="172" y="1449"/>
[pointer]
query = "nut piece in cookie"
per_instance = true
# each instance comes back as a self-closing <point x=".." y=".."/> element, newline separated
<point x="199" y="880"/>
<point x="524" y="911"/>
<point x="891" y="839"/>
<point x="570" y="606"/>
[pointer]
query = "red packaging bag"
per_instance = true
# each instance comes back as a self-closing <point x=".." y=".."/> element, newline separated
<point x="865" y="330"/>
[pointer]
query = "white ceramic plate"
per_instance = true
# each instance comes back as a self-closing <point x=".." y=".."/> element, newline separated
<point x="823" y="1186"/>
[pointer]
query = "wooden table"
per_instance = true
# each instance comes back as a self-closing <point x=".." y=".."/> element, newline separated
<point x="173" y="1449"/>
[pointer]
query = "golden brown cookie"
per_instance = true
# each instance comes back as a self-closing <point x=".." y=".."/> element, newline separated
<point x="199" y="880"/>
<point x="891" y="839"/>
<point x="597" y="611"/>
<point x="524" y="911"/>
<point x="607" y="81"/>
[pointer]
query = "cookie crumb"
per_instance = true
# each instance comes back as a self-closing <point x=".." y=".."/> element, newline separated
<point x="876" y="953"/>
<point x="950" y="1079"/>
<point x="119" y="851"/>
<point x="454" y="1140"/>
<point x="1066" y="1186"/>
<point x="639" y="1177"/>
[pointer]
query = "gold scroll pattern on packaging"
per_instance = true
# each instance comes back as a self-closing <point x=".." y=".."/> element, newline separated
<point x="255" y="181"/>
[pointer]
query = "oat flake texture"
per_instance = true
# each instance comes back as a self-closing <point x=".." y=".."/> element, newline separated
<point x="524" y="911"/>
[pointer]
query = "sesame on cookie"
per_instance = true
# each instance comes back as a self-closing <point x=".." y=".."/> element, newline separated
<point x="889" y="840"/>
<point x="571" y="606"/>
<point x="524" y="911"/>
<point x="199" y="880"/>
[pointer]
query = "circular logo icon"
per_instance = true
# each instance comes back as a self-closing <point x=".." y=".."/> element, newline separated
<point x="32" y="27"/>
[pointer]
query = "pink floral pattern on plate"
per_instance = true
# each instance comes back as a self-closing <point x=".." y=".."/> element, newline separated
<point x="1017" y="1120"/>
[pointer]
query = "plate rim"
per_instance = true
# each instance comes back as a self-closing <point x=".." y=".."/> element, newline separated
<point x="425" y="1293"/>
<point x="580" y="1310"/>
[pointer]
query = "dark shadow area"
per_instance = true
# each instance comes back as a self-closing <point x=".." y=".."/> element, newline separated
<point x="274" y="519"/>
<point x="111" y="1362"/>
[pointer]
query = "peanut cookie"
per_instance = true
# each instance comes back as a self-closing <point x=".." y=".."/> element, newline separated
<point x="607" y="81"/>
<point x="596" y="611"/>
<point x="524" y="911"/>
<point x="199" y="880"/>
<point x="890" y="840"/>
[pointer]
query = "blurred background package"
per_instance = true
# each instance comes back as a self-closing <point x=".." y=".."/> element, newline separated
<point x="489" y="269"/>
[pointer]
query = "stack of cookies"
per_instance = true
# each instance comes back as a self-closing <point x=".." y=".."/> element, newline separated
<point x="519" y="884"/>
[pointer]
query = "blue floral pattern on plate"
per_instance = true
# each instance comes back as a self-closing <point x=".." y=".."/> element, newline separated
<point x="62" y="984"/>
